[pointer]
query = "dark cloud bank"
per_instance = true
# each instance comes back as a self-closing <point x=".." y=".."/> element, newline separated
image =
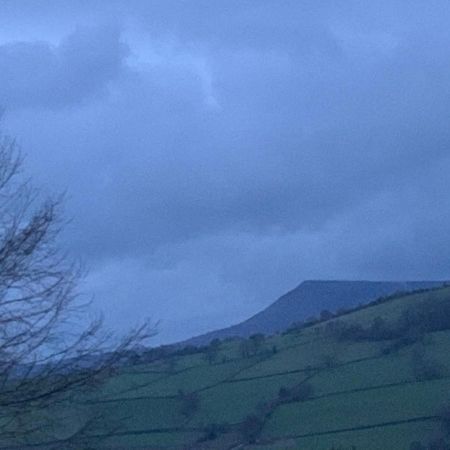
<point x="218" y="153"/>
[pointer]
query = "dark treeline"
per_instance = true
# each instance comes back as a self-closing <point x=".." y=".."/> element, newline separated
<point x="425" y="317"/>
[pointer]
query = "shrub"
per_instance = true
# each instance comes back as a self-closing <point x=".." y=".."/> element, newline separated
<point x="298" y="393"/>
<point x="329" y="361"/>
<point x="284" y="393"/>
<point x="302" y="392"/>
<point x="245" y="349"/>
<point x="296" y="327"/>
<point x="257" y="342"/>
<point x="251" y="428"/>
<point x="429" y="315"/>
<point x="265" y="409"/>
<point x="190" y="403"/>
<point x="425" y="368"/>
<point x="409" y="338"/>
<point x="212" y="351"/>
<point x="342" y="331"/>
<point x="428" y="370"/>
<point x="311" y="321"/>
<point x="213" y="430"/>
<point x="444" y="417"/>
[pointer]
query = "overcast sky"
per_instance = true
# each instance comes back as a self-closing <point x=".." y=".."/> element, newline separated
<point x="217" y="153"/>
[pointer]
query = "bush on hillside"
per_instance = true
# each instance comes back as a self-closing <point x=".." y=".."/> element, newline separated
<point x="213" y="431"/>
<point x="411" y="337"/>
<point x="425" y="368"/>
<point x="154" y="354"/>
<point x="330" y="361"/>
<point x="252" y="346"/>
<point x="312" y="320"/>
<point x="212" y="351"/>
<point x="190" y="403"/>
<point x="187" y="350"/>
<point x="444" y="417"/>
<point x="284" y="393"/>
<point x="251" y="428"/>
<point x="342" y="331"/>
<point x="245" y="349"/>
<point x="303" y="391"/>
<point x="427" y="316"/>
<point x="379" y="330"/>
<point x="257" y="342"/>
<point x="295" y="327"/>
<point x="413" y="323"/>
<point x="298" y="393"/>
<point x="265" y="409"/>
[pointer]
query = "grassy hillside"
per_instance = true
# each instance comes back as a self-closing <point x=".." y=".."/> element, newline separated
<point x="374" y="378"/>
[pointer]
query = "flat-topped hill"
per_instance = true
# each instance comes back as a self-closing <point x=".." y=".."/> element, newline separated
<point x="309" y="299"/>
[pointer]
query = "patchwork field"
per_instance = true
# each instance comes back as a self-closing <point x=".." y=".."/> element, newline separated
<point x="304" y="389"/>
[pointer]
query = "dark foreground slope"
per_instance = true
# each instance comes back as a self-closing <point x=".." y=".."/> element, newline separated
<point x="309" y="299"/>
<point x="375" y="378"/>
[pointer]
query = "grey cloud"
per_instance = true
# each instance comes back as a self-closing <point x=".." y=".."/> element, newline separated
<point x="39" y="74"/>
<point x="242" y="149"/>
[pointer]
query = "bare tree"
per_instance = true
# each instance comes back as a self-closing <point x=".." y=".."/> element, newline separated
<point x="49" y="352"/>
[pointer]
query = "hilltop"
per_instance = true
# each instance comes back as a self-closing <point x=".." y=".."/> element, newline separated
<point x="308" y="300"/>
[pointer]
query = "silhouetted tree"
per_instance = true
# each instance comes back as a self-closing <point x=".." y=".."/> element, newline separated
<point x="257" y="341"/>
<point x="245" y="348"/>
<point x="212" y="351"/>
<point x="49" y="352"/>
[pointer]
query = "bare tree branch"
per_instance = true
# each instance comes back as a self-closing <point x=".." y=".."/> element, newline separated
<point x="46" y="356"/>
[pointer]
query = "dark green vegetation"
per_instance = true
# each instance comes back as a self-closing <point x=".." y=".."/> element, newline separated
<point x="377" y="377"/>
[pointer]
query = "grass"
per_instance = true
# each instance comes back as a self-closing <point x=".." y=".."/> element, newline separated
<point x="361" y="397"/>
<point x="357" y="409"/>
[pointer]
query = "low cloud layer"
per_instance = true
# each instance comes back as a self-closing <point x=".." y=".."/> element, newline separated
<point x="37" y="74"/>
<point x="215" y="155"/>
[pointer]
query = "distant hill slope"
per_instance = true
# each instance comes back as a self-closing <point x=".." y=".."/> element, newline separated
<point x="309" y="299"/>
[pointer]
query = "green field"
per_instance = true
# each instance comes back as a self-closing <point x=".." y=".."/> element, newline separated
<point x="360" y="396"/>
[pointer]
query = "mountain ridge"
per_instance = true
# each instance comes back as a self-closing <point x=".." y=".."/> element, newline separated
<point x="307" y="300"/>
